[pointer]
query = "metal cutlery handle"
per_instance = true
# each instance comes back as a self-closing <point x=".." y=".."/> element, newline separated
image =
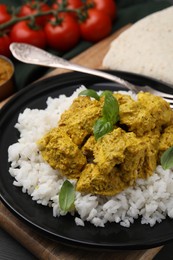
<point x="33" y="55"/>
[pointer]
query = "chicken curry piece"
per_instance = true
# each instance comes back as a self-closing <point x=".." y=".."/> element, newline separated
<point x="116" y="160"/>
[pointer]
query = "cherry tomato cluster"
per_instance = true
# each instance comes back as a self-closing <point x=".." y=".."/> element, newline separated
<point x="60" y="25"/>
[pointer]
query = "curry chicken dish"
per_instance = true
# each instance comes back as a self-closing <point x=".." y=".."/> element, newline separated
<point x="115" y="161"/>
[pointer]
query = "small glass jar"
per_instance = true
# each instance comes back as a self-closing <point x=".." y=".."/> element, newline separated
<point x="6" y="77"/>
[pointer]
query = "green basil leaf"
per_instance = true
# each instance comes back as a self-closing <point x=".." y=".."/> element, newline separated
<point x="105" y="92"/>
<point x="102" y="127"/>
<point x="167" y="159"/>
<point x="110" y="108"/>
<point x="110" y="112"/>
<point x="90" y="93"/>
<point x="67" y="196"/>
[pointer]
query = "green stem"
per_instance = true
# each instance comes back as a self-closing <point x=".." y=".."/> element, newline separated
<point x="16" y="19"/>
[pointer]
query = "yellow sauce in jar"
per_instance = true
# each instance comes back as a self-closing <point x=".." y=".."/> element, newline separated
<point x="6" y="70"/>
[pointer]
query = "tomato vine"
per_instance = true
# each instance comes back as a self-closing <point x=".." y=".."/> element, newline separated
<point x="90" y="20"/>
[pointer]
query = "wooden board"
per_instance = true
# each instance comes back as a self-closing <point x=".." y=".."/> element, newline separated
<point x="41" y="247"/>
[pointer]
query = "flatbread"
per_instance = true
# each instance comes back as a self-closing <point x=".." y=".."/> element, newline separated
<point x="145" y="48"/>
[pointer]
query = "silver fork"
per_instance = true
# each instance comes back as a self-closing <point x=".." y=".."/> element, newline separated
<point x="33" y="55"/>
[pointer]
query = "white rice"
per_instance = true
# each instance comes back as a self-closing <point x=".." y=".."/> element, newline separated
<point x="151" y="200"/>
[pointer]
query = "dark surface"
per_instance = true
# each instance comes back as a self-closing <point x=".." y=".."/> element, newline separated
<point x="10" y="249"/>
<point x="64" y="229"/>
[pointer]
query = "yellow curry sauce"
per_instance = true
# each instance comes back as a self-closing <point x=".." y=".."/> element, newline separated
<point x="116" y="160"/>
<point x="6" y="70"/>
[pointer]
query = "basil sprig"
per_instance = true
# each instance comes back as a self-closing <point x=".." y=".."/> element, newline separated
<point x="67" y="196"/>
<point x="90" y="93"/>
<point x="110" y="108"/>
<point x="110" y="112"/>
<point x="167" y="159"/>
<point x="102" y="127"/>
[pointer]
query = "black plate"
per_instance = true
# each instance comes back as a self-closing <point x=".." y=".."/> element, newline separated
<point x="64" y="229"/>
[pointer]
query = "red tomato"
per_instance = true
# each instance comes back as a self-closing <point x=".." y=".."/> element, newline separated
<point x="107" y="6"/>
<point x="4" y="45"/>
<point x="4" y="14"/>
<point x="96" y="27"/>
<point x="65" y="35"/>
<point x="21" y="32"/>
<point x="70" y="3"/>
<point x="32" y="8"/>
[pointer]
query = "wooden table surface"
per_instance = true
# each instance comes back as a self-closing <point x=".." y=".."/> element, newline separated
<point x="41" y="247"/>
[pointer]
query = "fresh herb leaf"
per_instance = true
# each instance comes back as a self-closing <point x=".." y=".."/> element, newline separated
<point x="90" y="93"/>
<point x="66" y="196"/>
<point x="102" y="127"/>
<point x="110" y="112"/>
<point x="105" y="92"/>
<point x="167" y="159"/>
<point x="110" y="108"/>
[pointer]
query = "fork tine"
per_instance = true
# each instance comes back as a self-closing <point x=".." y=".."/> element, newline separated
<point x="166" y="95"/>
<point x="162" y="94"/>
<point x="156" y="92"/>
<point x="168" y="100"/>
